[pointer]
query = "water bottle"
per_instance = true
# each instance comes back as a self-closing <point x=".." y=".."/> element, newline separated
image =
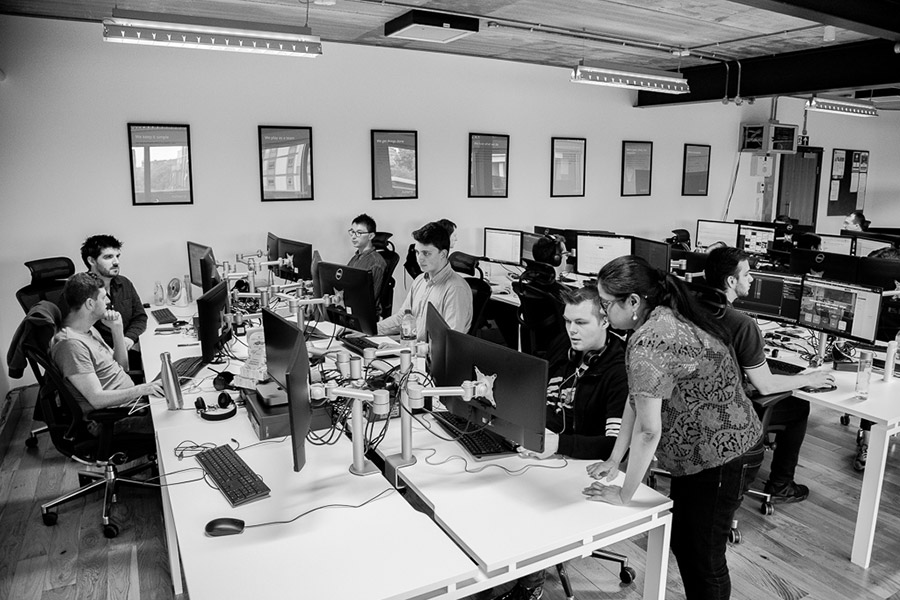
<point x="864" y="374"/>
<point x="170" y="384"/>
<point x="890" y="358"/>
<point x="159" y="294"/>
<point x="407" y="326"/>
<point x="188" y="291"/>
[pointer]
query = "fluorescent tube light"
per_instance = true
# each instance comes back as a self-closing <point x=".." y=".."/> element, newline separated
<point x="844" y="106"/>
<point x="650" y="80"/>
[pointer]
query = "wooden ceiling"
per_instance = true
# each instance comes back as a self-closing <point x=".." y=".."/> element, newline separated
<point x="775" y="41"/>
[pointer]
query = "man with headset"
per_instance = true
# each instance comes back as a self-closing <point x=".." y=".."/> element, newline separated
<point x="586" y="397"/>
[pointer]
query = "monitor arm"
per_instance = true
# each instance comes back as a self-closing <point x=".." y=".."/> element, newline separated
<point x="381" y="405"/>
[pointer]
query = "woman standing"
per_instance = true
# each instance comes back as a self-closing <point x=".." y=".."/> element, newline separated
<point x="687" y="406"/>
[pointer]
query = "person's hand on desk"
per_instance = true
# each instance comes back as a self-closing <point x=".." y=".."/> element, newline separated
<point x="154" y="388"/>
<point x="551" y="447"/>
<point x="815" y="379"/>
<point x="604" y="492"/>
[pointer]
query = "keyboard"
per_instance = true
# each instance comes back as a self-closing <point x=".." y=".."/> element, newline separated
<point x="358" y="344"/>
<point x="780" y="367"/>
<point x="186" y="368"/>
<point x="234" y="478"/>
<point x="163" y="316"/>
<point x="481" y="444"/>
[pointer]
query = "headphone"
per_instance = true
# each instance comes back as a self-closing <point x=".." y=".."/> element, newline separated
<point x="588" y="359"/>
<point x="211" y="413"/>
<point x="223" y="380"/>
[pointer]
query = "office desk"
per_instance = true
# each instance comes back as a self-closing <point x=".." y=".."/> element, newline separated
<point x="512" y="525"/>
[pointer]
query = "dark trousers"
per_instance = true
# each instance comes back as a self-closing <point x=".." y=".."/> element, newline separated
<point x="792" y="414"/>
<point x="703" y="506"/>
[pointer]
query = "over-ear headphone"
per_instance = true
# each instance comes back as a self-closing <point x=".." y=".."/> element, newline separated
<point x="225" y="403"/>
<point x="223" y="380"/>
<point x="588" y="359"/>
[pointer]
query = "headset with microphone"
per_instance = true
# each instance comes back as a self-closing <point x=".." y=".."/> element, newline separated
<point x="225" y="409"/>
<point x="223" y="380"/>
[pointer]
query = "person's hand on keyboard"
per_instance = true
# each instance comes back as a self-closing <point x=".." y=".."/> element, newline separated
<point x="551" y="446"/>
<point x="154" y="388"/>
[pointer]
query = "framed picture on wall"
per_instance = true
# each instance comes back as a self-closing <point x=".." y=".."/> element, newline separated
<point x="695" y="172"/>
<point x="637" y="167"/>
<point x="395" y="165"/>
<point x="160" y="158"/>
<point x="488" y="165"/>
<point x="567" y="166"/>
<point x="285" y="163"/>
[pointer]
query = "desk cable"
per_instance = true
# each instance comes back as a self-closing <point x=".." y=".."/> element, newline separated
<point x="512" y="472"/>
<point x="377" y="496"/>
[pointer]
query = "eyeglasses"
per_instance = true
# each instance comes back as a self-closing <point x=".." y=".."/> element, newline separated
<point x="354" y="233"/>
<point x="605" y="304"/>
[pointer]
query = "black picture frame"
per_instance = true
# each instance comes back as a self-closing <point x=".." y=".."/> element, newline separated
<point x="695" y="170"/>
<point x="395" y="164"/>
<point x="567" y="173"/>
<point x="160" y="159"/>
<point x="488" y="165"/>
<point x="637" y="168"/>
<point x="285" y="163"/>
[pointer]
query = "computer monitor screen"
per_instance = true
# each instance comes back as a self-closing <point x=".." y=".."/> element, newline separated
<point x="836" y="244"/>
<point x="683" y="262"/>
<point x="281" y="336"/>
<point x="503" y="246"/>
<point x="836" y="267"/>
<point x="866" y="246"/>
<point x="841" y="309"/>
<point x="528" y="242"/>
<point x="213" y="328"/>
<point x="272" y="250"/>
<point x="355" y="308"/>
<point x="655" y="253"/>
<point x="299" y="408"/>
<point x="774" y="296"/>
<point x="592" y="252"/>
<point x="300" y="255"/>
<point x="710" y="232"/>
<point x="436" y="328"/>
<point x="517" y="410"/>
<point x="883" y="273"/>
<point x="754" y="239"/>
<point x="202" y="266"/>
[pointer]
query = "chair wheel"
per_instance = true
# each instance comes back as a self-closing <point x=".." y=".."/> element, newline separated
<point x="767" y="509"/>
<point x="845" y="419"/>
<point x="734" y="536"/>
<point x="31" y="442"/>
<point x="110" y="531"/>
<point x="627" y="575"/>
<point x="49" y="518"/>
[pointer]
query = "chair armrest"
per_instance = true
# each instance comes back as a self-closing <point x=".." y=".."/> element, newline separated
<point x="107" y="415"/>
<point x="771" y="399"/>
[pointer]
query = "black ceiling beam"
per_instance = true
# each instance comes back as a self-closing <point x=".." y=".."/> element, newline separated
<point x="878" y="18"/>
<point x="868" y="64"/>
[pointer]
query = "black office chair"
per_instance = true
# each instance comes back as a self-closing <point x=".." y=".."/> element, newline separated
<point x="385" y="248"/>
<point x="467" y="265"/>
<point x="68" y="428"/>
<point x="541" y="320"/>
<point x="411" y="265"/>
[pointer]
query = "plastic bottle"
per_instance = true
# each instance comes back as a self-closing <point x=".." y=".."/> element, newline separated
<point x="159" y="294"/>
<point x="170" y="384"/>
<point x="890" y="358"/>
<point x="407" y="326"/>
<point x="864" y="374"/>
<point x="188" y="291"/>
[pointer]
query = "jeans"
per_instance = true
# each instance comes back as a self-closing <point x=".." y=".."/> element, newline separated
<point x="792" y="414"/>
<point x="703" y="506"/>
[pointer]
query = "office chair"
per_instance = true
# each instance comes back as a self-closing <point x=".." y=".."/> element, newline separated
<point x="68" y="428"/>
<point x="468" y="266"/>
<point x="385" y="248"/>
<point x="48" y="276"/>
<point x="411" y="265"/>
<point x="541" y="320"/>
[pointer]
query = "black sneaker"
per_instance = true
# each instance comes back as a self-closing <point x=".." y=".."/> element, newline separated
<point x="789" y="492"/>
<point x="523" y="593"/>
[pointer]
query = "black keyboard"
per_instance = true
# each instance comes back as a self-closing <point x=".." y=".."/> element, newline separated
<point x="358" y="344"/>
<point x="479" y="443"/>
<point x="234" y="478"/>
<point x="186" y="368"/>
<point x="163" y="316"/>
<point x="780" y="367"/>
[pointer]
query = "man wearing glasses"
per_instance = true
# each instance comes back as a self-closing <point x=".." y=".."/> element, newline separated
<point x="362" y="232"/>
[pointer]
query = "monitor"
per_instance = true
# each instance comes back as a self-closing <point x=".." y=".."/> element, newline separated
<point x="684" y="261"/>
<point x="774" y="296"/>
<point x="593" y="251"/>
<point x="826" y="265"/>
<point x="272" y="249"/>
<point x="518" y="410"/>
<point x="503" y="246"/>
<point x="300" y="254"/>
<point x="213" y="325"/>
<point x="299" y="409"/>
<point x="883" y="273"/>
<point x="528" y="242"/>
<point x="356" y="299"/>
<point x="281" y="336"/>
<point x="655" y="253"/>
<point x="755" y="239"/>
<point x="567" y="235"/>
<point x="202" y="266"/>
<point x="866" y="245"/>
<point x="836" y="244"/>
<point x="841" y="309"/>
<point x="710" y="232"/>
<point x="436" y="328"/>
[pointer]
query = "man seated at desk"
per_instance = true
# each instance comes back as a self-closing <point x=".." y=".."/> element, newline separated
<point x="362" y="232"/>
<point x="93" y="371"/>
<point x="438" y="284"/>
<point x="586" y="397"/>
<point x="728" y="270"/>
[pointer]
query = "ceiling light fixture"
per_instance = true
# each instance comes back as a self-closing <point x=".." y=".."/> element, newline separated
<point x="649" y="80"/>
<point x="429" y="26"/>
<point x="133" y="27"/>
<point x="844" y="106"/>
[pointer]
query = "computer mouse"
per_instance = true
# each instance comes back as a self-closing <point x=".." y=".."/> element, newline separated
<point x="224" y="526"/>
<point x="822" y="388"/>
<point x="178" y="324"/>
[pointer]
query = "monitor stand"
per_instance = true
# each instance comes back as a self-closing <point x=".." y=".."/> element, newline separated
<point x="819" y="359"/>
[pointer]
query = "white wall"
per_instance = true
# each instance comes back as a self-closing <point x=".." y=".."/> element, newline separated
<point x="64" y="169"/>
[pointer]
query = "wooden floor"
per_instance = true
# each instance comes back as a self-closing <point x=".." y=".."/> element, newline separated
<point x="802" y="551"/>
